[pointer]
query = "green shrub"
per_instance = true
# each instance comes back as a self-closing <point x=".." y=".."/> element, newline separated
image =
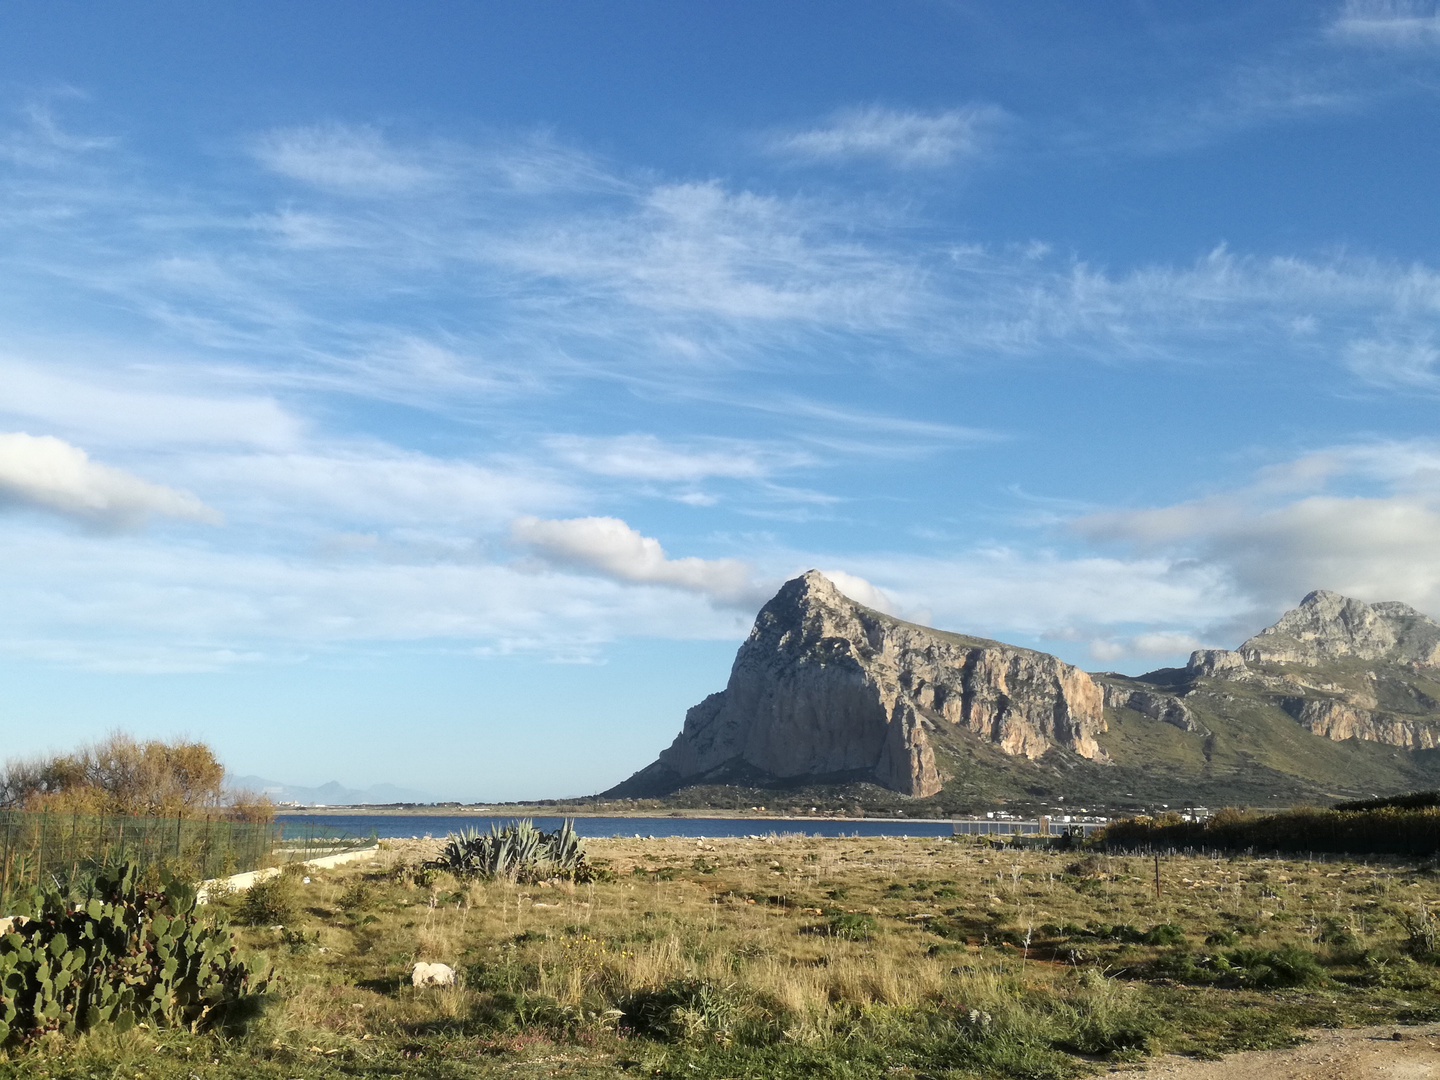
<point x="1165" y="934"/>
<point x="851" y="926"/>
<point x="1187" y="967"/>
<point x="1261" y="969"/>
<point x="357" y="897"/>
<point x="123" y="957"/>
<point x="298" y="942"/>
<point x="1288" y="965"/>
<point x="1103" y="1035"/>
<point x="1422" y="934"/>
<point x="681" y="1011"/>
<point x="1335" y="933"/>
<point x="269" y="902"/>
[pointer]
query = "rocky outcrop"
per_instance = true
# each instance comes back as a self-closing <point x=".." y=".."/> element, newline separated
<point x="825" y="687"/>
<point x="1216" y="662"/>
<point x="1340" y="720"/>
<point x="1166" y="708"/>
<point x="1328" y="626"/>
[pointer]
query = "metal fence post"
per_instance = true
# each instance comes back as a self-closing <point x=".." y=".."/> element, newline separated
<point x="44" y="827"/>
<point x="9" y="855"/>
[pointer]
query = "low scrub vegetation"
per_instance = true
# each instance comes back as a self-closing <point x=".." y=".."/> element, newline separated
<point x="792" y="957"/>
<point x="1408" y="825"/>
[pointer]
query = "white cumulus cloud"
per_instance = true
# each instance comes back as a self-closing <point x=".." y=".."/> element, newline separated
<point x="47" y="473"/>
<point x="610" y="547"/>
<point x="1156" y="644"/>
<point x="1292" y="531"/>
<point x="861" y="591"/>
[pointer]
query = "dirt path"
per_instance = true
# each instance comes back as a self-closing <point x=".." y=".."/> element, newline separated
<point x="1377" y="1053"/>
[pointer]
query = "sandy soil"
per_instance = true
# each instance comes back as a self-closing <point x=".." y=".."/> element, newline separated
<point x="1377" y="1053"/>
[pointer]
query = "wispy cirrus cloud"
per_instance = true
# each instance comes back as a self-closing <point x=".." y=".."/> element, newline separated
<point x="1391" y="24"/>
<point x="899" y="138"/>
<point x="147" y="408"/>
<point x="646" y="457"/>
<point x="592" y="274"/>
<point x="1412" y="363"/>
<point x="343" y="158"/>
<point x="148" y="605"/>
<point x="1346" y="61"/>
<point x="42" y="141"/>
<point x="703" y="251"/>
<point x="530" y="278"/>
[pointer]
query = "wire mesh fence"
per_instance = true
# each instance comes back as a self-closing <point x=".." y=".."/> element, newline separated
<point x="305" y="840"/>
<point x="66" y="851"/>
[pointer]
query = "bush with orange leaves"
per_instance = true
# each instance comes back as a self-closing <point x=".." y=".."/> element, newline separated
<point x="122" y="775"/>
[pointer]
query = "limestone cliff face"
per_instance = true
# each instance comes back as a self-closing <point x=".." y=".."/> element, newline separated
<point x="1340" y="720"/>
<point x="825" y="686"/>
<point x="1166" y="708"/>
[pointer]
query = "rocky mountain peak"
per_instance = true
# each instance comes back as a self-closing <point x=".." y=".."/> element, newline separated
<point x="1329" y="626"/>
<point x="824" y="687"/>
<point x="804" y="601"/>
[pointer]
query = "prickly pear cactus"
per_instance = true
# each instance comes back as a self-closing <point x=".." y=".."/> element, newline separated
<point x="122" y="957"/>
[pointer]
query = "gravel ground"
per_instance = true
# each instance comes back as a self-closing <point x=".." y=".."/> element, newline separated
<point x="1378" y="1053"/>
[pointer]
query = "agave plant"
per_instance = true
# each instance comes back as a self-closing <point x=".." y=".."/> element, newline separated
<point x="517" y="851"/>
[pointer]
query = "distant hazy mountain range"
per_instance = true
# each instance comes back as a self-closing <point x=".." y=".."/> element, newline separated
<point x="331" y="794"/>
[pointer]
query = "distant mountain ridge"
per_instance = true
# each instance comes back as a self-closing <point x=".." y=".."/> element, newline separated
<point x="1337" y="699"/>
<point x="1341" y="668"/>
<point x="328" y="794"/>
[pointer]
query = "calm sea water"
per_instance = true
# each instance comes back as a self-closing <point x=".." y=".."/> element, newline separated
<point x="384" y="826"/>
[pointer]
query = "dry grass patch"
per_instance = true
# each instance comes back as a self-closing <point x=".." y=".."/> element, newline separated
<point x="794" y="956"/>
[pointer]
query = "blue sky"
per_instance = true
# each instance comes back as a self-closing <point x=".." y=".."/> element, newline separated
<point x="431" y="393"/>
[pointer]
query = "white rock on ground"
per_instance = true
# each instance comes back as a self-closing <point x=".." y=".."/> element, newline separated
<point x="423" y="974"/>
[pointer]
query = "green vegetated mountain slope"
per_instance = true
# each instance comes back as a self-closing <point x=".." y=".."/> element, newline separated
<point x="832" y="703"/>
<point x="1338" y="699"/>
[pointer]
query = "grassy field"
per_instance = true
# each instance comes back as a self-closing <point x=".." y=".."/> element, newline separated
<point x="807" y="957"/>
